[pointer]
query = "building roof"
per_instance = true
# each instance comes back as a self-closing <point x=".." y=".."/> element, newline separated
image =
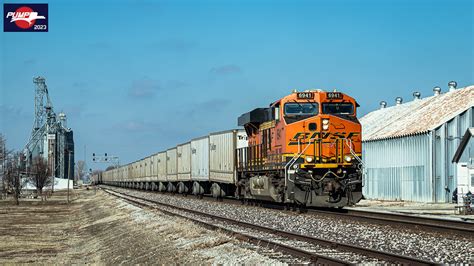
<point x="417" y="116"/>
<point x="464" y="141"/>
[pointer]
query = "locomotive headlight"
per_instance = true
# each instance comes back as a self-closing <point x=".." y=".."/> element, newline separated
<point x="309" y="159"/>
<point x="295" y="166"/>
<point x="348" y="158"/>
<point x="325" y="124"/>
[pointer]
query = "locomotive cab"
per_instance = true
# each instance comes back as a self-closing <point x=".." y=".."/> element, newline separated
<point x="305" y="149"/>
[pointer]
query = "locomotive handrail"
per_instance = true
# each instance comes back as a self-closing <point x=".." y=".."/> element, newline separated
<point x="296" y="157"/>
<point x="349" y="144"/>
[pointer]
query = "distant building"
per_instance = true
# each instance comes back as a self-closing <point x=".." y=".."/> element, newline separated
<point x="408" y="148"/>
<point x="465" y="151"/>
<point x="464" y="158"/>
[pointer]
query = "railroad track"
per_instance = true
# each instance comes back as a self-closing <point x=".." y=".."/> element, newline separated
<point x="451" y="226"/>
<point x="400" y="220"/>
<point x="312" y="249"/>
<point x="420" y="222"/>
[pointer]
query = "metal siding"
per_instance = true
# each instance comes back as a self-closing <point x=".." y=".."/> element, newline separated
<point x="398" y="169"/>
<point x="452" y="143"/>
<point x="162" y="166"/>
<point x="134" y="171"/>
<point x="171" y="165"/>
<point x="222" y="155"/>
<point x="149" y="168"/>
<point x="200" y="159"/>
<point x="415" y="168"/>
<point x="142" y="170"/>
<point x="184" y="162"/>
<point x="138" y="170"/>
<point x="146" y="168"/>
<point x="154" y="167"/>
<point x="439" y="166"/>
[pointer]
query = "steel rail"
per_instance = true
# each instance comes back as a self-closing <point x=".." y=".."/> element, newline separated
<point x="427" y="223"/>
<point x="386" y="256"/>
<point x="296" y="252"/>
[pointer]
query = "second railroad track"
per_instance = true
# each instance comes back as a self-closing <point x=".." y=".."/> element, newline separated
<point x="312" y="249"/>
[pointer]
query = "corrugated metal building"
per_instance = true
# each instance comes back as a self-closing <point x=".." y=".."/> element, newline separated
<point x="408" y="148"/>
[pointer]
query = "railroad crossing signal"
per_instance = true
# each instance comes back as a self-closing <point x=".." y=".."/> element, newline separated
<point x="106" y="159"/>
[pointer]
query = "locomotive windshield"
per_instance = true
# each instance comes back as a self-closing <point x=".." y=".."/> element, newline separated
<point x="338" y="108"/>
<point x="301" y="108"/>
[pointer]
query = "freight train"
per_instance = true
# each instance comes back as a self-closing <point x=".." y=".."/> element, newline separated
<point x="304" y="149"/>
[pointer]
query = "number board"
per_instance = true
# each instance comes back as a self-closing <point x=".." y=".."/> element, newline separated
<point x="305" y="95"/>
<point x="334" y="95"/>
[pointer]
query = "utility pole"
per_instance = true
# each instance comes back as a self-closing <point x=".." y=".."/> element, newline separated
<point x="68" y="174"/>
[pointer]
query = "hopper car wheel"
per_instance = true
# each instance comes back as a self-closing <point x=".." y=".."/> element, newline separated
<point x="294" y="207"/>
<point x="302" y="208"/>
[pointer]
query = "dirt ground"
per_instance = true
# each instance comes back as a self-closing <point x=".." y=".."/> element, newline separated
<point x="98" y="228"/>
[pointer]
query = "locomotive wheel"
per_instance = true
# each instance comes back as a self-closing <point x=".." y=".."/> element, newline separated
<point x="302" y="209"/>
<point x="294" y="207"/>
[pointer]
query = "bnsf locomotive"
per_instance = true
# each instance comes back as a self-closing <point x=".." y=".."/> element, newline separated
<point x="304" y="149"/>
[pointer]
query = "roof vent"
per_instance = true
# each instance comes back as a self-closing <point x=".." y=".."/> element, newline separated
<point x="398" y="100"/>
<point x="452" y="85"/>
<point x="416" y="95"/>
<point x="437" y="90"/>
<point x="383" y="104"/>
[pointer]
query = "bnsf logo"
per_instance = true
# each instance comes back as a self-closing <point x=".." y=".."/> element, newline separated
<point x="306" y="136"/>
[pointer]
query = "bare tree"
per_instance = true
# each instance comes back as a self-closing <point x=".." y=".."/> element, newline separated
<point x="80" y="170"/>
<point x="4" y="154"/>
<point x="41" y="175"/>
<point x="3" y="157"/>
<point x="13" y="180"/>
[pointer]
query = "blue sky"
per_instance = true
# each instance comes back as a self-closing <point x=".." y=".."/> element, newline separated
<point x="137" y="77"/>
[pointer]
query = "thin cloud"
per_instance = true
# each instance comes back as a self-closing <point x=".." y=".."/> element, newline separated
<point x="79" y="84"/>
<point x="100" y="45"/>
<point x="143" y="88"/>
<point x="11" y="111"/>
<point x="176" y="45"/>
<point x="30" y="61"/>
<point x="135" y="125"/>
<point x="226" y="70"/>
<point x="176" y="84"/>
<point x="73" y="110"/>
<point x="209" y="106"/>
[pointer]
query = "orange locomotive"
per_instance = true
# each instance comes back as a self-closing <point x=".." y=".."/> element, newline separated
<point x="304" y="149"/>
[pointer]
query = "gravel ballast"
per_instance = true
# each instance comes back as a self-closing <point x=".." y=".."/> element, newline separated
<point x="433" y="246"/>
